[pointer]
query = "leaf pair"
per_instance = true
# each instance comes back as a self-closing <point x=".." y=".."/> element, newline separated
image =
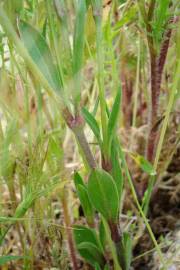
<point x="112" y="122"/>
<point x="89" y="246"/>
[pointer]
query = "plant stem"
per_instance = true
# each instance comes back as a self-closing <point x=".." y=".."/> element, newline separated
<point x="139" y="207"/>
<point x="67" y="222"/>
<point x="157" y="66"/>
<point x="115" y="233"/>
<point x="81" y="138"/>
<point x="76" y="125"/>
<point x="137" y="85"/>
<point x="100" y="63"/>
<point x="112" y="245"/>
<point x="162" y="135"/>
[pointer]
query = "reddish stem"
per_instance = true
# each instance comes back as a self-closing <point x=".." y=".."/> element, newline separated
<point x="76" y="125"/>
<point x="157" y="67"/>
<point x="68" y="226"/>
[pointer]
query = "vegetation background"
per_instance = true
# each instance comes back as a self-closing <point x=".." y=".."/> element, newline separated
<point x="89" y="134"/>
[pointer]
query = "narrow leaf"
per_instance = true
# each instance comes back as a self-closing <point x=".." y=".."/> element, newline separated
<point x="78" y="47"/>
<point x="116" y="168"/>
<point x="126" y="251"/>
<point x="78" y="179"/>
<point x="97" y="266"/>
<point x="39" y="51"/>
<point x="161" y="17"/>
<point x="91" y="121"/>
<point x="114" y="115"/>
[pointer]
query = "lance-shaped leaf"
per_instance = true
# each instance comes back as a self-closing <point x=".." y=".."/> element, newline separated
<point x="116" y="168"/>
<point x="114" y="116"/>
<point x="78" y="179"/>
<point x="91" y="121"/>
<point x="78" y="47"/>
<point x="103" y="194"/>
<point x="39" y="51"/>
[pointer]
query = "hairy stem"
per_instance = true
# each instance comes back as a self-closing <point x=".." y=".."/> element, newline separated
<point x="157" y="67"/>
<point x="76" y="125"/>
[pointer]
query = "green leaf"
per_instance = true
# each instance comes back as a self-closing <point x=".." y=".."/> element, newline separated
<point x="78" y="47"/>
<point x="91" y="253"/>
<point x="102" y="234"/>
<point x="116" y="168"/>
<point x="78" y="179"/>
<point x="84" y="234"/>
<point x="97" y="267"/>
<point x="7" y="161"/>
<point x="113" y="118"/>
<point x="144" y="164"/>
<point x="85" y="202"/>
<point x="9" y="258"/>
<point x="106" y="267"/>
<point x="103" y="194"/>
<point x="112" y="247"/>
<point x="91" y="121"/>
<point x="126" y="251"/>
<point x="161" y="14"/>
<point x="127" y="17"/>
<point x="88" y="244"/>
<point x="39" y="51"/>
